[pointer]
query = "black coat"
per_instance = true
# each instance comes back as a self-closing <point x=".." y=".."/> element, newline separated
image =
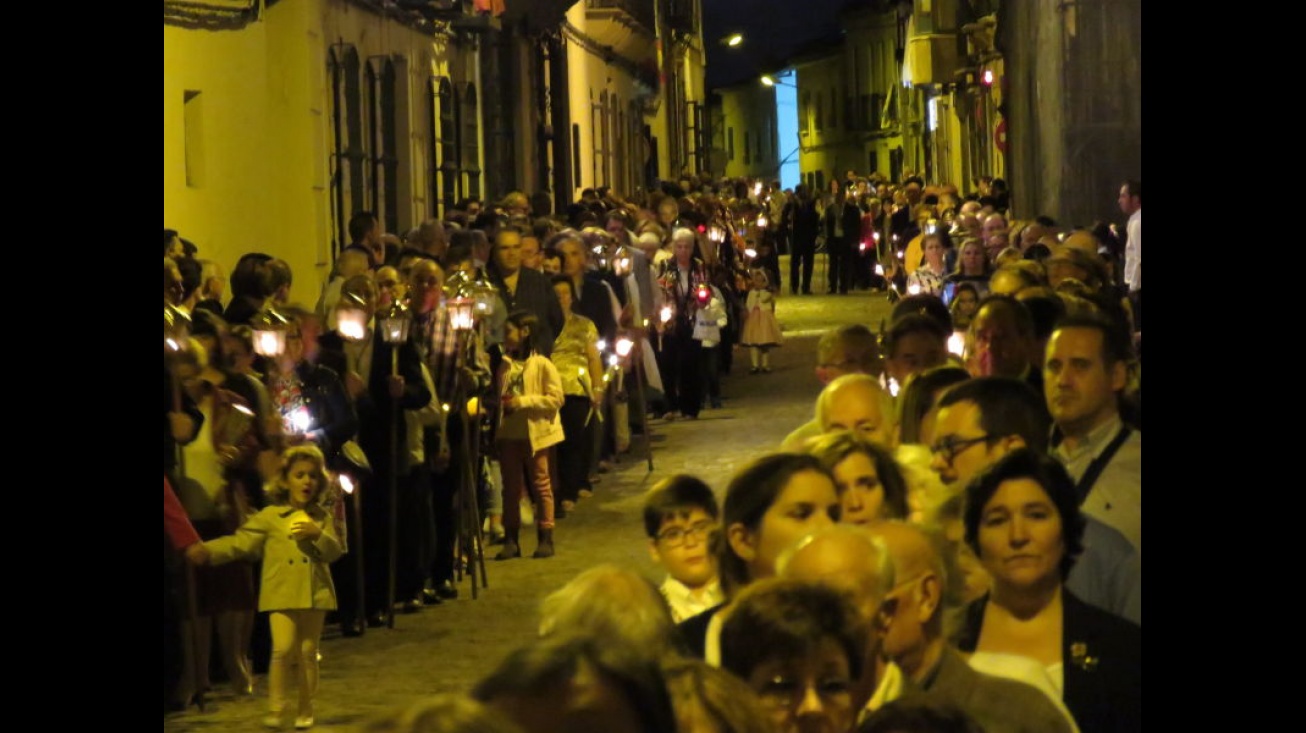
<point x="1102" y="656"/>
<point x="535" y="295"/>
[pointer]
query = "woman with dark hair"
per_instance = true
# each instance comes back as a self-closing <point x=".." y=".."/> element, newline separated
<point x="916" y="402"/>
<point x="870" y="483"/>
<point x="1022" y="520"/>
<point x="795" y="643"/>
<point x="770" y="504"/>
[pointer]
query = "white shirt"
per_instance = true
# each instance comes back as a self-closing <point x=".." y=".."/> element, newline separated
<point x="1134" y="251"/>
<point x="686" y="602"/>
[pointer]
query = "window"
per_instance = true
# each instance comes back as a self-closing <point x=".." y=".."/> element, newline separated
<point x="804" y="114"/>
<point x="384" y="158"/>
<point x="820" y="119"/>
<point x="348" y="185"/>
<point x="748" y="151"/>
<point x="872" y="161"/>
<point x="193" y="121"/>
<point x="444" y="147"/>
<point x="730" y="143"/>
<point x="820" y="183"/>
<point x="468" y="143"/>
<point x="834" y="109"/>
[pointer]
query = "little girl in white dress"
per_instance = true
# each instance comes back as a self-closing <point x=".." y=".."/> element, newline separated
<point x="761" y="329"/>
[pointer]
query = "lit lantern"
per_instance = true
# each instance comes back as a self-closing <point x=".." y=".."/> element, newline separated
<point x="613" y="360"/>
<point x="876" y="235"/>
<point x="757" y="190"/>
<point x="716" y="234"/>
<point x="750" y="253"/>
<point x="351" y="318"/>
<point x="761" y="220"/>
<point x="462" y="313"/>
<point x="879" y="269"/>
<point x="703" y="293"/>
<point x="621" y="265"/>
<point x="346" y="483"/>
<point x="485" y="295"/>
<point x="914" y="289"/>
<point x="957" y="343"/>
<point x="602" y="345"/>
<point x="176" y="328"/>
<point x="269" y="333"/>
<point x="624" y="345"/>
<point x="861" y="247"/>
<point x="665" y="314"/>
<point x="394" y="322"/>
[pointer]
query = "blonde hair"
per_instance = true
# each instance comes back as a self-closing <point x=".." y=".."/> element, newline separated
<point x="278" y="491"/>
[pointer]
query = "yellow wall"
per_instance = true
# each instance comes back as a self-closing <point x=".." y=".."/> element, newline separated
<point x="266" y="125"/>
<point x="750" y="108"/>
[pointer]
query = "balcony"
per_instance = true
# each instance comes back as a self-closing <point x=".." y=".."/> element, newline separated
<point x="627" y="26"/>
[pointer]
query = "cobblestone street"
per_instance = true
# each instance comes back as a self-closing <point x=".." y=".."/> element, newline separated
<point x="446" y="648"/>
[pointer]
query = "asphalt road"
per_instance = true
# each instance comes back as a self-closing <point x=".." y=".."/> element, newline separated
<point x="447" y="648"/>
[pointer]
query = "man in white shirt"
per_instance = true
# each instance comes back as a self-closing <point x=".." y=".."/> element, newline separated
<point x="1131" y="203"/>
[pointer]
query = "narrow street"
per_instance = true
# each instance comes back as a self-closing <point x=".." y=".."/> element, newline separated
<point x="446" y="648"/>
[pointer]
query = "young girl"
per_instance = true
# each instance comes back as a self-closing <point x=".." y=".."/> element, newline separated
<point x="296" y="537"/>
<point x="531" y="397"/>
<point x="761" y="329"/>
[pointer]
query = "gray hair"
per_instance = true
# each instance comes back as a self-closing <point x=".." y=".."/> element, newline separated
<point x="614" y="603"/>
<point x="683" y="233"/>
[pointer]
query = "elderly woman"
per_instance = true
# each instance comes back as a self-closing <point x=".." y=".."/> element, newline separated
<point x="799" y="646"/>
<point x="1022" y="520"/>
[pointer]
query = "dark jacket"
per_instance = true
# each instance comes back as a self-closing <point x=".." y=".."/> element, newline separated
<point x="1103" y="661"/>
<point x="535" y="295"/>
<point x="328" y="403"/>
<point x="693" y="631"/>
<point x="852" y="222"/>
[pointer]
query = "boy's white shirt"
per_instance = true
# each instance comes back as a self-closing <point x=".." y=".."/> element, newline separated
<point x="686" y="602"/>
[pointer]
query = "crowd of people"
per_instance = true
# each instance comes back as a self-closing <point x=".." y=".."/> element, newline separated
<point x="952" y="543"/>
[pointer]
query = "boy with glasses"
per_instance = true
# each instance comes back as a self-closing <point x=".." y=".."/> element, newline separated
<point x="682" y="520"/>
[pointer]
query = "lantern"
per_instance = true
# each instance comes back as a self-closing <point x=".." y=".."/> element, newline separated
<point x="462" y="313"/>
<point x="176" y="328"/>
<point x="269" y="329"/>
<point x="716" y="234"/>
<point x="485" y="295"/>
<point x="624" y="345"/>
<point x="621" y="265"/>
<point x="761" y="220"/>
<point x="394" y="322"/>
<point x="351" y="317"/>
<point x="703" y="293"/>
<point x="665" y="314"/>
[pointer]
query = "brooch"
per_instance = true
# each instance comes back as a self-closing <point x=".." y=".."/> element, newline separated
<point x="1080" y="658"/>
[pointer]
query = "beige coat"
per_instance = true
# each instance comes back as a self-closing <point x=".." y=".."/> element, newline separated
<point x="541" y="399"/>
<point x="296" y="573"/>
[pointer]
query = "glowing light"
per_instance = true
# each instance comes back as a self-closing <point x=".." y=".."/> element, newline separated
<point x="346" y="483"/>
<point x="624" y="345"/>
<point x="580" y="371"/>
<point x="444" y="406"/>
<point x="914" y="289"/>
<point x="666" y="313"/>
<point x="988" y="77"/>
<point x="879" y="269"/>
<point x="750" y="252"/>
<point x="761" y="220"/>
<point x="602" y="344"/>
<point x="614" y="360"/>
<point x="769" y="81"/>
<point x="735" y="40"/>
<point x="861" y="247"/>
<point x="893" y="386"/>
<point x="957" y="344"/>
<point x="757" y="188"/>
<point x="301" y="421"/>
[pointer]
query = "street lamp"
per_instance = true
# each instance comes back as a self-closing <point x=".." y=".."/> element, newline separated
<point x="734" y="39"/>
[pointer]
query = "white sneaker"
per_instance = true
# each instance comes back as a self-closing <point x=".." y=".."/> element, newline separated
<point x="273" y="720"/>
<point x="304" y="722"/>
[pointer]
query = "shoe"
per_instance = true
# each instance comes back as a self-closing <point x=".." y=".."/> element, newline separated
<point x="568" y="505"/>
<point x="585" y="493"/>
<point x="353" y="628"/>
<point x="412" y="605"/>
<point x="304" y="722"/>
<point x="446" y="590"/>
<point x="430" y="597"/>
<point x="274" y="720"/>
<point x="510" y="547"/>
<point x="545" y="546"/>
<point x="377" y="620"/>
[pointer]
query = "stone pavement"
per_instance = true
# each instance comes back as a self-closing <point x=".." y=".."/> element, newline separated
<point x="447" y="648"/>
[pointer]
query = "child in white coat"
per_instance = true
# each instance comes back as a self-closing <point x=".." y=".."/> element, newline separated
<point x="761" y="329"/>
<point x="295" y="536"/>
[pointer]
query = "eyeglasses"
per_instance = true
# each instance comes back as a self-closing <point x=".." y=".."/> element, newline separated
<point x="786" y="693"/>
<point x="951" y="446"/>
<point x="676" y="536"/>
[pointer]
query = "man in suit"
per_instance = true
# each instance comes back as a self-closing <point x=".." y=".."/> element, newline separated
<point x="806" y="224"/>
<point x="379" y="398"/>
<point x="843" y="226"/>
<point x="525" y="289"/>
<point x="914" y="640"/>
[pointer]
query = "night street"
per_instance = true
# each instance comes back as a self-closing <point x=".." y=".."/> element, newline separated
<point x="448" y="647"/>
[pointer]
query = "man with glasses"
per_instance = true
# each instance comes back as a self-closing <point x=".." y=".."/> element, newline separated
<point x="914" y="639"/>
<point x="680" y="515"/>
<point x="983" y="419"/>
